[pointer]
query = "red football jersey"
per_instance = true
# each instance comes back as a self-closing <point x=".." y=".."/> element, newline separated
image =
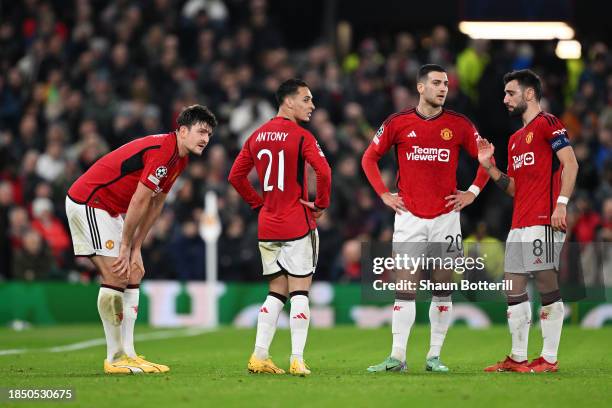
<point x="279" y="151"/>
<point x="427" y="152"/>
<point x="112" y="180"/>
<point x="533" y="163"/>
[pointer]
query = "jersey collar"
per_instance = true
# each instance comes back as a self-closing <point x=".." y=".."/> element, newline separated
<point x="429" y="118"/>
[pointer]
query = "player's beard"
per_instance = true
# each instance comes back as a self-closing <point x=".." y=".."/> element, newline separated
<point x="518" y="109"/>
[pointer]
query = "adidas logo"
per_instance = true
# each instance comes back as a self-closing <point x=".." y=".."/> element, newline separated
<point x="537" y="261"/>
<point x="300" y="316"/>
<point x="397" y="308"/>
<point x="443" y="309"/>
<point x="411" y="134"/>
<point x="544" y="315"/>
<point x="264" y="310"/>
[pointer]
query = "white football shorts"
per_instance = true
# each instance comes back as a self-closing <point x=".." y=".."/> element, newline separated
<point x="298" y="258"/>
<point x="439" y="236"/>
<point x="94" y="231"/>
<point x="531" y="249"/>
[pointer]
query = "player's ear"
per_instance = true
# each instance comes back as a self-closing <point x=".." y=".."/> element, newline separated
<point x="420" y="87"/>
<point x="289" y="101"/>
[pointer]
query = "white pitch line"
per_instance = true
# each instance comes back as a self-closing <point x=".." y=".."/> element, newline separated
<point x="166" y="334"/>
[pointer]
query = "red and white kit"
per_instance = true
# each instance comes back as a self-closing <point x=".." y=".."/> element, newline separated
<point x="97" y="199"/>
<point x="279" y="151"/>
<point x="427" y="153"/>
<point x="532" y="245"/>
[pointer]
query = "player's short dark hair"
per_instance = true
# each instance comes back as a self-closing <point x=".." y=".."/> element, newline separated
<point x="196" y="114"/>
<point x="426" y="69"/>
<point x="526" y="78"/>
<point x="289" y="87"/>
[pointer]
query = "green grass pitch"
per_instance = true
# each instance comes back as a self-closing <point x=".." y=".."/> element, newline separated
<point x="209" y="369"/>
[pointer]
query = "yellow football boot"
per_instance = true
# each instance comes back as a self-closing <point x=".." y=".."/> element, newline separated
<point x="159" y="368"/>
<point x="123" y="366"/>
<point x="298" y="367"/>
<point x="263" y="366"/>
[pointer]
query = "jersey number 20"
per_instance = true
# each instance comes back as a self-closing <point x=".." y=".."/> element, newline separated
<point x="280" y="183"/>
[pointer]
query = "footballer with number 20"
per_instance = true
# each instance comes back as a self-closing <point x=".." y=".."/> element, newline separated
<point x="427" y="141"/>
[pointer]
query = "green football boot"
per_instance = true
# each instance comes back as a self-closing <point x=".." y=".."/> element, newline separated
<point x="434" y="364"/>
<point x="390" y="364"/>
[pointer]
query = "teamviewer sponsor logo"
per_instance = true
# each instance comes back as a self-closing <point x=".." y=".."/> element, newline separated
<point x="525" y="159"/>
<point x="428" y="154"/>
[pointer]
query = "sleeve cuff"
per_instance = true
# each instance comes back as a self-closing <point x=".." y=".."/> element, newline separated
<point x="474" y="190"/>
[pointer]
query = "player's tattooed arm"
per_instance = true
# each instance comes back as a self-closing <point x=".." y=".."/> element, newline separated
<point x="503" y="181"/>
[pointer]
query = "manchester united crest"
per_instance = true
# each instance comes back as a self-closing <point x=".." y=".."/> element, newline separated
<point x="529" y="137"/>
<point x="446" y="134"/>
<point x="110" y="244"/>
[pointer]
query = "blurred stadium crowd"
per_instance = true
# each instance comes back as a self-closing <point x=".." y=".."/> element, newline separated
<point x="80" y="78"/>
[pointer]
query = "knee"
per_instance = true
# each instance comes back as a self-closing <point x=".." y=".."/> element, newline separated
<point x="515" y="298"/>
<point x="112" y="279"/>
<point x="550" y="297"/>
<point x="117" y="281"/>
<point x="136" y="274"/>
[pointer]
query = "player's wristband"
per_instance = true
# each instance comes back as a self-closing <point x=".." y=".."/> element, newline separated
<point x="562" y="200"/>
<point x="474" y="190"/>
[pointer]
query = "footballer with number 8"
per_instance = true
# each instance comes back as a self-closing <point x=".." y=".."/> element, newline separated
<point x="288" y="238"/>
<point x="132" y="180"/>
<point x="427" y="141"/>
<point x="542" y="170"/>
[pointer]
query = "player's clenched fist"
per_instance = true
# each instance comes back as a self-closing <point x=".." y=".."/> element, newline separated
<point x="394" y="201"/>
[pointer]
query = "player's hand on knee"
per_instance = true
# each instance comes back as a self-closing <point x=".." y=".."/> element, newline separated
<point x="137" y="269"/>
<point x="558" y="219"/>
<point x="121" y="266"/>
<point x="394" y="201"/>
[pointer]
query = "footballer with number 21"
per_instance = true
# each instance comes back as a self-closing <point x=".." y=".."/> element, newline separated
<point x="288" y="238"/>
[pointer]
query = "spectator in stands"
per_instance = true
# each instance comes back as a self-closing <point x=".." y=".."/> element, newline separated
<point x="6" y="202"/>
<point x="34" y="261"/>
<point x="83" y="82"/>
<point x="51" y="229"/>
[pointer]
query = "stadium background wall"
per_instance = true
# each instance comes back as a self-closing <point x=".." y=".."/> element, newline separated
<point x="175" y="304"/>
